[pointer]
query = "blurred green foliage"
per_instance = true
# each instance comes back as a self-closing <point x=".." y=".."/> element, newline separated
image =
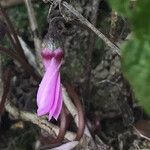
<point x="136" y="52"/>
<point x="5" y="60"/>
<point x="19" y="17"/>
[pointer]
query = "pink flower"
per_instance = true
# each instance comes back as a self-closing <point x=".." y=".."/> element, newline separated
<point x="49" y="95"/>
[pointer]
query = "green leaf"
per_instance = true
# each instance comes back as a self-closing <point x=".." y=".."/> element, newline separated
<point x="135" y="64"/>
<point x="136" y="52"/>
<point x="121" y="6"/>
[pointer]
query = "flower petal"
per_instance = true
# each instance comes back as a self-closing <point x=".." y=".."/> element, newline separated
<point x="47" y="55"/>
<point x="57" y="105"/>
<point x="49" y="96"/>
<point x="46" y="91"/>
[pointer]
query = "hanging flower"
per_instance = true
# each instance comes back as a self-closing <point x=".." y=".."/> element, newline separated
<point x="49" y="95"/>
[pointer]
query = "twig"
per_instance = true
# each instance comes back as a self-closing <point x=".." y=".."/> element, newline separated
<point x="13" y="44"/>
<point x="32" y="19"/>
<point x="84" y="21"/>
<point x="41" y="122"/>
<point x="33" y="25"/>
<point x="140" y="134"/>
<point x="27" y="51"/>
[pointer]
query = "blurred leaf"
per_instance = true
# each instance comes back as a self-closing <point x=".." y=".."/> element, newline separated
<point x="136" y="52"/>
<point x="19" y="18"/>
<point x="121" y="6"/>
<point x="41" y="11"/>
<point x="135" y="63"/>
<point x="141" y="21"/>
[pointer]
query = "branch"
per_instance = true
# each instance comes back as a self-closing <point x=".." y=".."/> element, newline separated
<point x="34" y="28"/>
<point x="41" y="122"/>
<point x="28" y="52"/>
<point x="84" y="21"/>
<point x="33" y="24"/>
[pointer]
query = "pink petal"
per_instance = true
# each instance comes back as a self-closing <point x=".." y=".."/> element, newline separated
<point x="49" y="96"/>
<point x="54" y="104"/>
<point x="59" y="53"/>
<point x="46" y="91"/>
<point x="57" y="105"/>
<point x="47" y="55"/>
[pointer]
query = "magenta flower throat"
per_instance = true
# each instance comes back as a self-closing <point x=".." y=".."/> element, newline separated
<point x="49" y="95"/>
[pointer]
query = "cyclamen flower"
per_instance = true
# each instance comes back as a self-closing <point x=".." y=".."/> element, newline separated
<point x="49" y="95"/>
